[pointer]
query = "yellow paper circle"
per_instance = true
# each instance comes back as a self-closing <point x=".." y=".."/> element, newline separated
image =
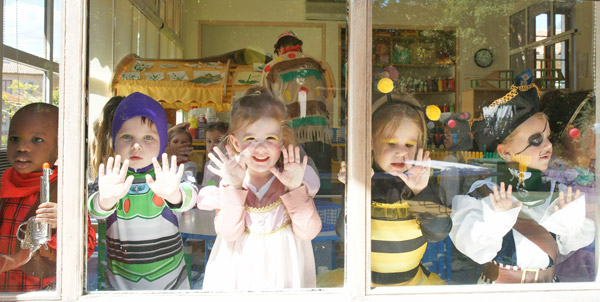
<point x="385" y="85"/>
<point x="433" y="112"/>
<point x="287" y="95"/>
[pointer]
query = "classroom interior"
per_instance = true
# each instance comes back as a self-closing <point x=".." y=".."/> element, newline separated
<point x="457" y="57"/>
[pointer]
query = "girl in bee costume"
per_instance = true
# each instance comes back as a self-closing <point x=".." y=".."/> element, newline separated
<point x="406" y="211"/>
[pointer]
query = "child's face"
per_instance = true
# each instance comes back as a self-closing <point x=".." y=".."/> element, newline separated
<point x="32" y="141"/>
<point x="448" y="139"/>
<point x="180" y="139"/>
<point x="394" y="144"/>
<point x="213" y="138"/>
<point x="531" y="141"/>
<point x="263" y="140"/>
<point x="138" y="142"/>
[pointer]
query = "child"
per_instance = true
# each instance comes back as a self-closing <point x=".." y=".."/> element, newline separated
<point x="267" y="218"/>
<point x="405" y="209"/>
<point x="214" y="134"/>
<point x="145" y="250"/>
<point x="517" y="237"/>
<point x="573" y="164"/>
<point x="101" y="147"/>
<point x="32" y="141"/>
<point x="180" y="136"/>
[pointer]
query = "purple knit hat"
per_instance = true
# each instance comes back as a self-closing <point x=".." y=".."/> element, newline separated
<point x="139" y="104"/>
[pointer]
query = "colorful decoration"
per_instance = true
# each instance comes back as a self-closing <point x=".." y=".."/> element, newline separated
<point x="385" y="85"/>
<point x="574" y="133"/>
<point x="451" y="123"/>
<point x="433" y="112"/>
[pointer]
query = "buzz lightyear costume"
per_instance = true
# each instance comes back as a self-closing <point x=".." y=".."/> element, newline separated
<point x="144" y="246"/>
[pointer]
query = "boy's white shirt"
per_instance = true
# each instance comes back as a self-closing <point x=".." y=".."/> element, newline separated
<point x="478" y="230"/>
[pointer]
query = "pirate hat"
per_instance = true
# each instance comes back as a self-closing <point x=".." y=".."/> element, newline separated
<point x="504" y="115"/>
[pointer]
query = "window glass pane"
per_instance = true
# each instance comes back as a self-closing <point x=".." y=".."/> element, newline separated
<point x="24" y="26"/>
<point x="539" y="21"/>
<point x="518" y="29"/>
<point x="442" y="83"/>
<point x="57" y="21"/>
<point x="559" y="23"/>
<point x="284" y="239"/>
<point x="564" y="16"/>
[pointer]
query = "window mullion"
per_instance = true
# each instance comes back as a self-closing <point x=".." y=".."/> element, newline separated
<point x="49" y="47"/>
<point x="596" y="66"/>
<point x="359" y="152"/>
<point x="71" y="151"/>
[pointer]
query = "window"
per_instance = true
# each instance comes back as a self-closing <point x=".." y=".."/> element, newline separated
<point x="549" y="39"/>
<point x="357" y="246"/>
<point x="28" y="53"/>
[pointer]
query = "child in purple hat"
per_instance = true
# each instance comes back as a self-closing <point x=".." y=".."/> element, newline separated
<point x="137" y="200"/>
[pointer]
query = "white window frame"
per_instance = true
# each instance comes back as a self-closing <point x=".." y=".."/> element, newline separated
<point x="71" y="272"/>
<point x="46" y="63"/>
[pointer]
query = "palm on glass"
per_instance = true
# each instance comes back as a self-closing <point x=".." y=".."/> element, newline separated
<point x="231" y="169"/>
<point x="168" y="177"/>
<point x="503" y="200"/>
<point x="416" y="176"/>
<point x="293" y="169"/>
<point x="565" y="201"/>
<point x="113" y="182"/>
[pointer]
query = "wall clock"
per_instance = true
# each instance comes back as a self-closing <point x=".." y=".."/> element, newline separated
<point x="484" y="58"/>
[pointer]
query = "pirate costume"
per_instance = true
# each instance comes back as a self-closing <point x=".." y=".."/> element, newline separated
<point x="519" y="245"/>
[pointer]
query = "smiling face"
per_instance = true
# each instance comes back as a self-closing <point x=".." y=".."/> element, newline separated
<point x="137" y="141"/>
<point x="396" y="144"/>
<point x="262" y="140"/>
<point x="530" y="140"/>
<point x="32" y="141"/>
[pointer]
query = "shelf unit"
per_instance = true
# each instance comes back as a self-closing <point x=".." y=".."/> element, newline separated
<point x="422" y="56"/>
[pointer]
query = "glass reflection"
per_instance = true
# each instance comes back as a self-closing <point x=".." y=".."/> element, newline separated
<point x="511" y="153"/>
<point x="198" y="87"/>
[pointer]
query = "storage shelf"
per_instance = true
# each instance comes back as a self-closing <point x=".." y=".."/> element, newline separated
<point x="433" y="93"/>
<point x="424" y="65"/>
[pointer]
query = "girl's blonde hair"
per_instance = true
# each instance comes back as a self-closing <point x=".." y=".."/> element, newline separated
<point x="391" y="112"/>
<point x="101" y="148"/>
<point x="176" y="131"/>
<point x="259" y="103"/>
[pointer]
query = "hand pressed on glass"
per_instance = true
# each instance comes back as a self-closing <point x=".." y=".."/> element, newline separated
<point x="416" y="176"/>
<point x="502" y="200"/>
<point x="231" y="169"/>
<point x="293" y="170"/>
<point x="565" y="201"/>
<point x="113" y="182"/>
<point x="167" y="180"/>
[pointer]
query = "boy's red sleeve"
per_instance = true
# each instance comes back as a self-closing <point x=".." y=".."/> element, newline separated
<point x="91" y="239"/>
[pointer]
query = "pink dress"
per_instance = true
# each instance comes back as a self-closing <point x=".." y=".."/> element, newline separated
<point x="264" y="239"/>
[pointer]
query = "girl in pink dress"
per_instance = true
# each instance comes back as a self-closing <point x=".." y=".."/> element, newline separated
<point x="267" y="217"/>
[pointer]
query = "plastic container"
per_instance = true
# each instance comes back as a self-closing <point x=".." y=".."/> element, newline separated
<point x="328" y="211"/>
<point x="201" y="127"/>
<point x="211" y="115"/>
